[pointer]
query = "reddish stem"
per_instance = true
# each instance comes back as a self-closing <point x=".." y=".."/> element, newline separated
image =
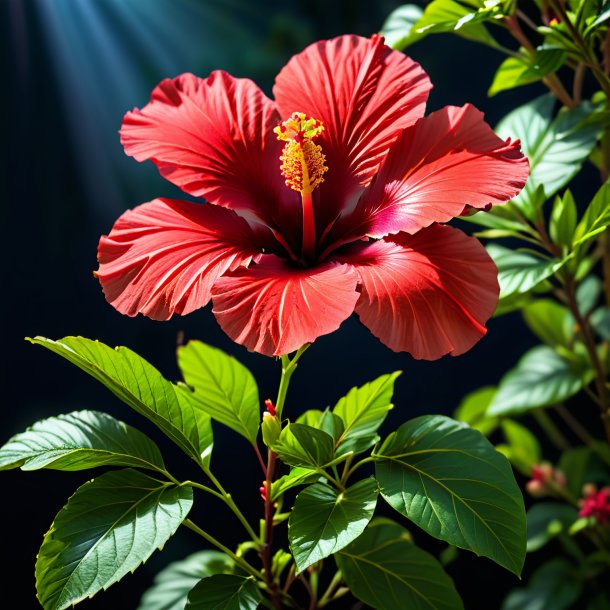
<point x="266" y="553"/>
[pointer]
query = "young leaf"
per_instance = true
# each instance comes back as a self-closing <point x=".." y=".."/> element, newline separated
<point x="541" y="378"/>
<point x="224" y="388"/>
<point x="108" y="528"/>
<point x="596" y="217"/>
<point x="397" y="27"/>
<point x="551" y="322"/>
<point x="224" y="592"/>
<point x="140" y="385"/>
<point x="172" y="584"/>
<point x="545" y="520"/>
<point x="296" y="476"/>
<point x="363" y="411"/>
<point x="473" y="410"/>
<point x="554" y="586"/>
<point x="324" y="520"/>
<point x="323" y="420"/>
<point x="449" y="480"/>
<point x="80" y="440"/>
<point x="521" y="272"/>
<point x="302" y="445"/>
<point x="555" y="148"/>
<point x="563" y="220"/>
<point x="386" y="571"/>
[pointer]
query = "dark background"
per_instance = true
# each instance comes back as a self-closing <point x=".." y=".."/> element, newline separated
<point x="72" y="68"/>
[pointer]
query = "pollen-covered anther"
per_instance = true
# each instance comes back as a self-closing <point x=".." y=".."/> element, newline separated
<point x="302" y="160"/>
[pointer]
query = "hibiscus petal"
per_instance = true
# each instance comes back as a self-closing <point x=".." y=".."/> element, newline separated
<point x="274" y="308"/>
<point x="445" y="161"/>
<point x="164" y="256"/>
<point x="364" y="93"/>
<point x="213" y="138"/>
<point x="429" y="294"/>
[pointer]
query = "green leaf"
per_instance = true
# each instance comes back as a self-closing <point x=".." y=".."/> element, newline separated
<point x="551" y="322"/>
<point x="172" y="585"/>
<point x="223" y="388"/>
<point x="80" y="440"/>
<point x="397" y="27"/>
<point x="522" y="448"/>
<point x="555" y="148"/>
<point x="545" y="520"/>
<point x="324" y="520"/>
<point x="302" y="445"/>
<point x="363" y="410"/>
<point x="463" y="17"/>
<point x="386" y="571"/>
<point x="449" y="480"/>
<point x="585" y="465"/>
<point x="108" y="528"/>
<point x="224" y="592"/>
<point x="588" y="293"/>
<point x="554" y="586"/>
<point x="515" y="72"/>
<point x="563" y="220"/>
<point x="473" y="410"/>
<point x="521" y="272"/>
<point x="600" y="320"/>
<point x="139" y="385"/>
<point x="323" y="420"/>
<point x="541" y="378"/>
<point x="296" y="476"/>
<point x="596" y="217"/>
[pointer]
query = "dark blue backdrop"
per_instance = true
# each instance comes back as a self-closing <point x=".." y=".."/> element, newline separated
<point x="72" y="69"/>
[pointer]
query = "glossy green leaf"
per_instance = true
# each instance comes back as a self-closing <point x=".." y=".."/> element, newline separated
<point x="545" y="520"/>
<point x="224" y="592"/>
<point x="563" y="220"/>
<point x="108" y="528"/>
<point x="80" y="440"/>
<point x="297" y="476"/>
<point x="363" y="410"/>
<point x="556" y="148"/>
<point x="600" y="320"/>
<point x="515" y="72"/>
<point x="223" y="388"/>
<point x="302" y="445"/>
<point x="554" y="586"/>
<point x="588" y="293"/>
<point x="139" y="385"/>
<point x="473" y="410"/>
<point x="172" y="585"/>
<point x="596" y="217"/>
<point x="521" y="448"/>
<point x="324" y="520"/>
<point x="386" y="571"/>
<point x="397" y="27"/>
<point x="551" y="322"/>
<point x="323" y="420"/>
<point x="541" y="378"/>
<point x="521" y="272"/>
<point x="449" y="480"/>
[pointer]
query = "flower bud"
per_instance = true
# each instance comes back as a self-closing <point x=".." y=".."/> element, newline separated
<point x="271" y="429"/>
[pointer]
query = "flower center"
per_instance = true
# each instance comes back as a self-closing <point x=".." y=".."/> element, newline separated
<point x="303" y="168"/>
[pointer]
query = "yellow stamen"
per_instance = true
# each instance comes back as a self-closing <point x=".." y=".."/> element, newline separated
<point x="302" y="160"/>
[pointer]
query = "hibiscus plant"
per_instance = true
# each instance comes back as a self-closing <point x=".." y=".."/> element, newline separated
<point x="328" y="200"/>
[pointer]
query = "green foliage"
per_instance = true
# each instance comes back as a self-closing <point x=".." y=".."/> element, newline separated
<point x="545" y="520"/>
<point x="551" y="322"/>
<point x="172" y="584"/>
<point x="362" y="411"/>
<point x="541" y="378"/>
<point x="563" y="220"/>
<point x="325" y="520"/>
<point x="385" y="570"/>
<point x="303" y="445"/>
<point x="80" y="440"/>
<point x="397" y="27"/>
<point x="223" y="388"/>
<point x="515" y="72"/>
<point x="555" y="147"/>
<point x="596" y="217"/>
<point x="449" y="480"/>
<point x="473" y="410"/>
<point x="108" y="528"/>
<point x="521" y="448"/>
<point x="554" y="586"/>
<point x="585" y="465"/>
<point x="296" y="476"/>
<point x="224" y="592"/>
<point x="139" y="385"/>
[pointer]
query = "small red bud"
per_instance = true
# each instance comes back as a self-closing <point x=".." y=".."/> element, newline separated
<point x="270" y="407"/>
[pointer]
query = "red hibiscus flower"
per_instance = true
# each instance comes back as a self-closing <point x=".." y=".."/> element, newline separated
<point x="323" y="202"/>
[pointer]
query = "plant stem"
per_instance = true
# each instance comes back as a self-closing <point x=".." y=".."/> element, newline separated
<point x="552" y="431"/>
<point x="329" y="595"/>
<point x="242" y="563"/>
<point x="581" y="432"/>
<point x="589" y="341"/>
